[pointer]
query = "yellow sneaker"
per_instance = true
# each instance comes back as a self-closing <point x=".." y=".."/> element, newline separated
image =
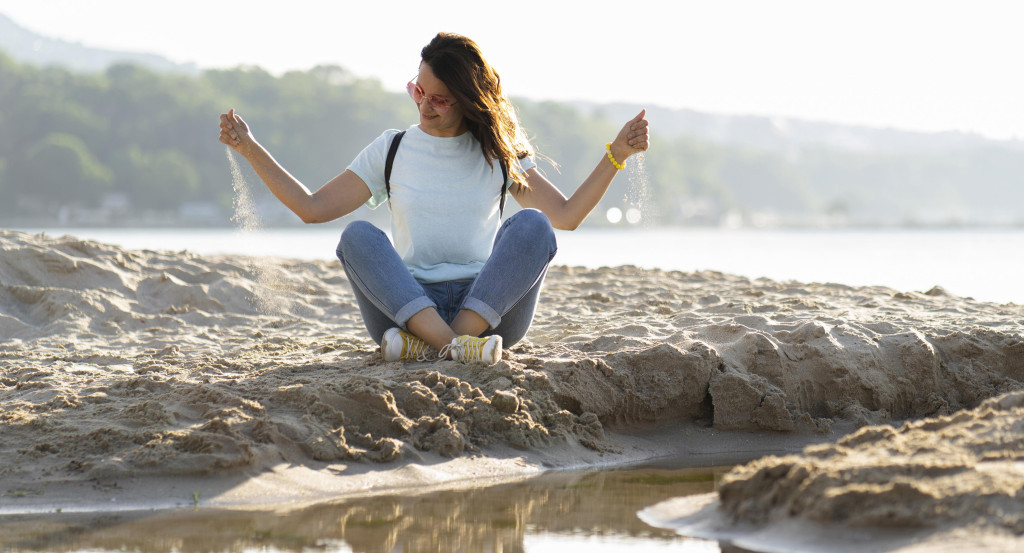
<point x="469" y="348"/>
<point x="398" y="345"/>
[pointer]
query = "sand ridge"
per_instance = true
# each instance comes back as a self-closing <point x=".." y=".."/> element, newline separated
<point x="961" y="468"/>
<point x="948" y="483"/>
<point x="119" y="364"/>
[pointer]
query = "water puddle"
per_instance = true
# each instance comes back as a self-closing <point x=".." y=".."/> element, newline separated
<point x="554" y="512"/>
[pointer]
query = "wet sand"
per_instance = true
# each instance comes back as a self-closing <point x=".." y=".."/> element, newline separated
<point x="134" y="377"/>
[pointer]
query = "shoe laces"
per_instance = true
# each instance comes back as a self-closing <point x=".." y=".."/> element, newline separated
<point x="464" y="348"/>
<point x="414" y="348"/>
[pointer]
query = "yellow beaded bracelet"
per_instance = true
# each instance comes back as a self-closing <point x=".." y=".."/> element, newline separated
<point x="619" y="166"/>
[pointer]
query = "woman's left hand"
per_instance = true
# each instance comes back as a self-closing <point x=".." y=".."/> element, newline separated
<point x="633" y="138"/>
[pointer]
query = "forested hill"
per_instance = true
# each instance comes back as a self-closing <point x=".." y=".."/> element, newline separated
<point x="129" y="145"/>
<point x="26" y="46"/>
<point x="786" y="134"/>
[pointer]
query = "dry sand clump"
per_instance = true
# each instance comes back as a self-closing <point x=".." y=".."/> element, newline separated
<point x="951" y="483"/>
<point x="120" y="364"/>
<point x="964" y="468"/>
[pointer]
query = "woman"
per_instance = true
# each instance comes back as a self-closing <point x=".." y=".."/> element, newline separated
<point x="453" y="282"/>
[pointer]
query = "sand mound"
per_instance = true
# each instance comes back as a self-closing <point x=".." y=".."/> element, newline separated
<point x="966" y="469"/>
<point x="944" y="483"/>
<point x="123" y="363"/>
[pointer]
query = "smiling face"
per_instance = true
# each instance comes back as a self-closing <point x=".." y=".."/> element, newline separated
<point x="433" y="123"/>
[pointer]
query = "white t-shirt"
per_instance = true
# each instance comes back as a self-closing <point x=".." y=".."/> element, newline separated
<point x="444" y="201"/>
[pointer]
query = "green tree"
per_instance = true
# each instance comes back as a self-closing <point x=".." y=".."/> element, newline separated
<point x="155" y="179"/>
<point x="59" y="170"/>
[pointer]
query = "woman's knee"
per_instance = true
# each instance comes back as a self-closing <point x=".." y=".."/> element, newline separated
<point x="534" y="225"/>
<point x="534" y="219"/>
<point x="356" y="233"/>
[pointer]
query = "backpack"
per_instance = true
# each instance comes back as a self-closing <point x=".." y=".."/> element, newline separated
<point x="390" y="161"/>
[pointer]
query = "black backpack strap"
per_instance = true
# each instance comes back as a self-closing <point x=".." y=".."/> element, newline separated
<point x="390" y="161"/>
<point x="504" y="188"/>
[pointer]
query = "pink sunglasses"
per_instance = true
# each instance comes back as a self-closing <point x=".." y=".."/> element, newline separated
<point x="440" y="103"/>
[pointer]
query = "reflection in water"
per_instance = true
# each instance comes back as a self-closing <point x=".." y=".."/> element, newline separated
<point x="582" y="506"/>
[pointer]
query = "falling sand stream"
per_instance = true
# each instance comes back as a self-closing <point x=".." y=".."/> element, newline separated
<point x="247" y="222"/>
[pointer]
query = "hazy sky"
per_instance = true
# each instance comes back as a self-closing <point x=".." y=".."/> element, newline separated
<point x="911" y="64"/>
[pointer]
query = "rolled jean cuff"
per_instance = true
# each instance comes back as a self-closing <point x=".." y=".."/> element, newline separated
<point x="412" y="308"/>
<point x="480" y="308"/>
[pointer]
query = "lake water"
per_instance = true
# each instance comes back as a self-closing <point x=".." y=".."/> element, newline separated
<point x="985" y="264"/>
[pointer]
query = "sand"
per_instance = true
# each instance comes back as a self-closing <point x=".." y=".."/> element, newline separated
<point x="951" y="483"/>
<point x="136" y="377"/>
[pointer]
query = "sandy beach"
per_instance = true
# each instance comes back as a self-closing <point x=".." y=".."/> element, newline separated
<point x="136" y="378"/>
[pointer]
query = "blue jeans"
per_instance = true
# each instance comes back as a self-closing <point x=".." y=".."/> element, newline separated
<point x="504" y="293"/>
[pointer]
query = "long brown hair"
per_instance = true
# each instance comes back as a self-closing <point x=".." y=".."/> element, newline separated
<point x="458" y="62"/>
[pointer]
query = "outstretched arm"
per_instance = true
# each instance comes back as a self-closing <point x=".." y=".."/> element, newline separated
<point x="568" y="213"/>
<point x="340" y="196"/>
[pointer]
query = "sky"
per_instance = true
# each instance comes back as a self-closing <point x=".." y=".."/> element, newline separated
<point x="917" y="65"/>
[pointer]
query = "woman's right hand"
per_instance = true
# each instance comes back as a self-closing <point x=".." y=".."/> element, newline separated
<point x="235" y="132"/>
